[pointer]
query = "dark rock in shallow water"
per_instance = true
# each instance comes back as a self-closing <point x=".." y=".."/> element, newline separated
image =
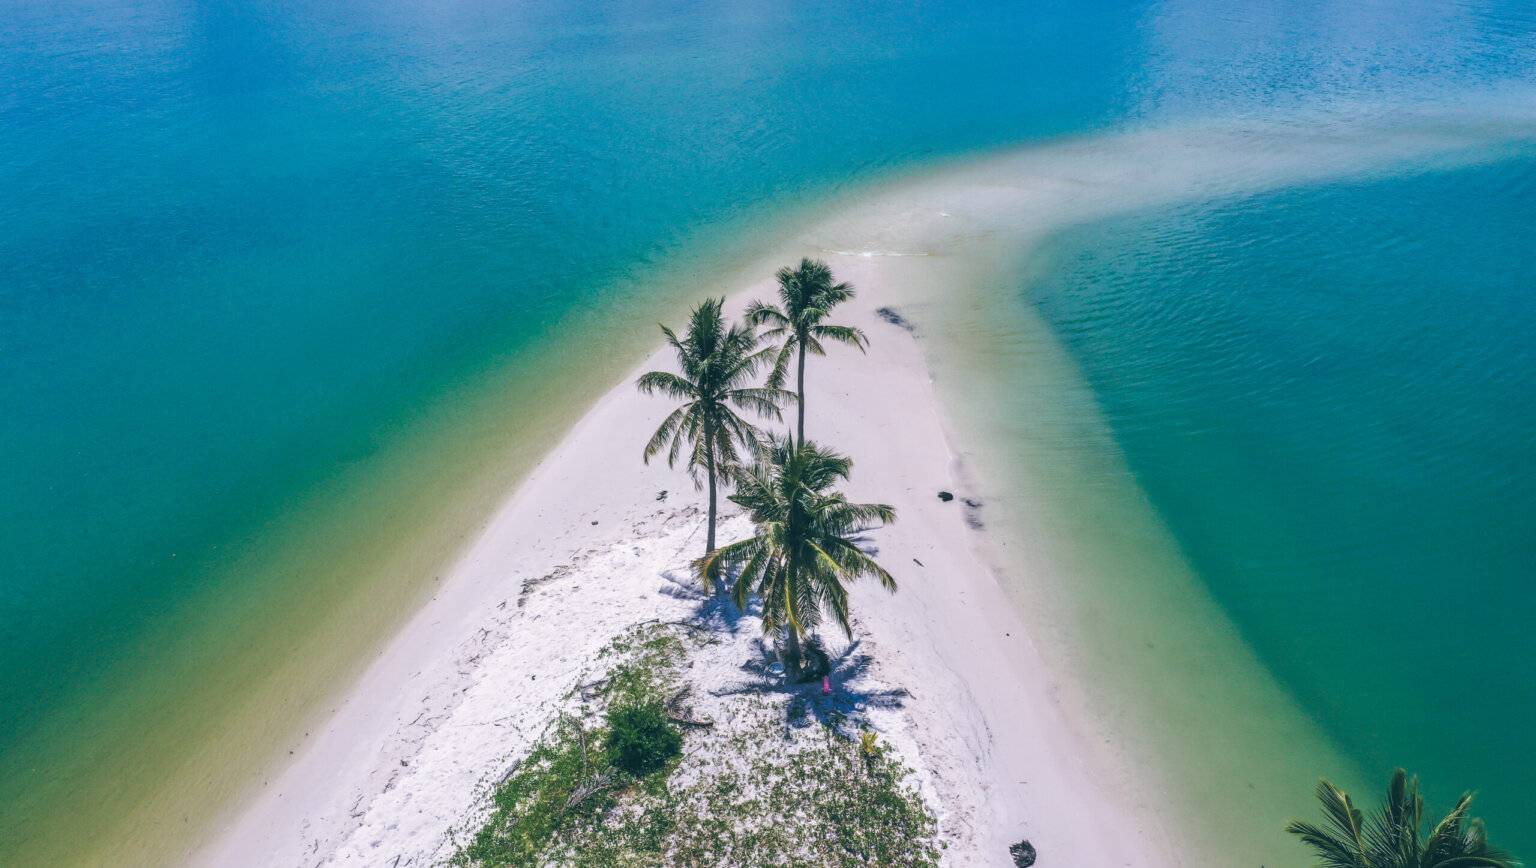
<point x="890" y="315"/>
<point x="1023" y="854"/>
<point x="946" y="496"/>
<point x="973" y="514"/>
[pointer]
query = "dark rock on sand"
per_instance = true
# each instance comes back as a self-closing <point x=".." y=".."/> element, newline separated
<point x="1023" y="854"/>
<point x="946" y="496"/>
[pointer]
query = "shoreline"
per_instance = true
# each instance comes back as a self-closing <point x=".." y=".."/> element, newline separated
<point x="977" y="676"/>
<point x="916" y="241"/>
<point x="327" y="583"/>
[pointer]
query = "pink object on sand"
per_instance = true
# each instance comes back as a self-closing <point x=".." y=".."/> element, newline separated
<point x="826" y="685"/>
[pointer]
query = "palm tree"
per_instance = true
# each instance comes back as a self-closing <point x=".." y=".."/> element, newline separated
<point x="716" y="362"/>
<point x="806" y="297"/>
<point x="804" y="551"/>
<point x="1392" y="838"/>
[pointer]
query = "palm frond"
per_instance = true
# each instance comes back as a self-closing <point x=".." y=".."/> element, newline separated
<point x="714" y="564"/>
<point x="676" y="344"/>
<point x="760" y="314"/>
<point x="780" y="369"/>
<point x="804" y="531"/>
<point x="762" y="401"/>
<point x="667" y="383"/>
<point x="843" y="334"/>
<point x="851" y="517"/>
<point x="854" y="562"/>
<point x="1331" y="852"/>
<point x="666" y="431"/>
<point x="1346" y="819"/>
<point x="1391" y="838"/>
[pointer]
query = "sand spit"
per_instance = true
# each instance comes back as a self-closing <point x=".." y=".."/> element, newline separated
<point x="590" y="545"/>
<point x="594" y="542"/>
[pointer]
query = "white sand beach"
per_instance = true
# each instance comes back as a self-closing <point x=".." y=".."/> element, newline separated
<point x="587" y="547"/>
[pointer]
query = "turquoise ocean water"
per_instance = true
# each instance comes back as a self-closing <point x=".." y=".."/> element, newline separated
<point x="243" y="245"/>
<point x="1328" y="395"/>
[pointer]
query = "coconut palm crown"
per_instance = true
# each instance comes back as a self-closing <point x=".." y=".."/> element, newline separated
<point x="807" y="295"/>
<point x="716" y="362"/>
<point x="805" y="550"/>
<point x="1393" y="837"/>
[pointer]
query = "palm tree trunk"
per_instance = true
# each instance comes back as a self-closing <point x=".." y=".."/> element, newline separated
<point x="709" y="457"/>
<point x="791" y="653"/>
<point x="800" y="388"/>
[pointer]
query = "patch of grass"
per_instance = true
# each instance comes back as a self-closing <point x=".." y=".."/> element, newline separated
<point x="751" y="790"/>
<point x="566" y="782"/>
<point x="640" y="740"/>
<point x="820" y="798"/>
<point x="533" y="803"/>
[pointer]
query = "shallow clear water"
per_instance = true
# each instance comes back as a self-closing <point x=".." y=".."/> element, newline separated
<point x="245" y="246"/>
<point x="239" y="243"/>
<point x="248" y="251"/>
<point x="1327" y="394"/>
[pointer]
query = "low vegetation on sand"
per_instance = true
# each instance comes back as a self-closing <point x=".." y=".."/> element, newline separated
<point x="627" y="776"/>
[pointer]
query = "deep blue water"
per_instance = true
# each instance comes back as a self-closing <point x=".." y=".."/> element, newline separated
<point x="242" y="244"/>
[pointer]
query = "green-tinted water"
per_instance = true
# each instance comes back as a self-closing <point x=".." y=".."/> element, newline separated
<point x="289" y="291"/>
<point x="1327" y="395"/>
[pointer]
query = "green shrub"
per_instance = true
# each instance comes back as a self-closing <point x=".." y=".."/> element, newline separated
<point x="640" y="740"/>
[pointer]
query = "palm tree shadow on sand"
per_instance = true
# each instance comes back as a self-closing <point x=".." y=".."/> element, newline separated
<point x="849" y="702"/>
<point x="713" y="610"/>
<point x="763" y="674"/>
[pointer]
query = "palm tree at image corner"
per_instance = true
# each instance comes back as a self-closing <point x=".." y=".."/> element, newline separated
<point x="716" y="364"/>
<point x="807" y="295"/>
<point x="1393" y="836"/>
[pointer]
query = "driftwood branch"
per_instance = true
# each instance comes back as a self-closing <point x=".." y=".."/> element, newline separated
<point x="589" y="788"/>
<point x="678" y="713"/>
<point x="695" y="626"/>
<point x="581" y="739"/>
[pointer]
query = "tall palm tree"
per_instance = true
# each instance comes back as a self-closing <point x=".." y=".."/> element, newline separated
<point x="807" y="295"/>
<point x="1393" y="838"/>
<point x="716" y="363"/>
<point x="804" y="550"/>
